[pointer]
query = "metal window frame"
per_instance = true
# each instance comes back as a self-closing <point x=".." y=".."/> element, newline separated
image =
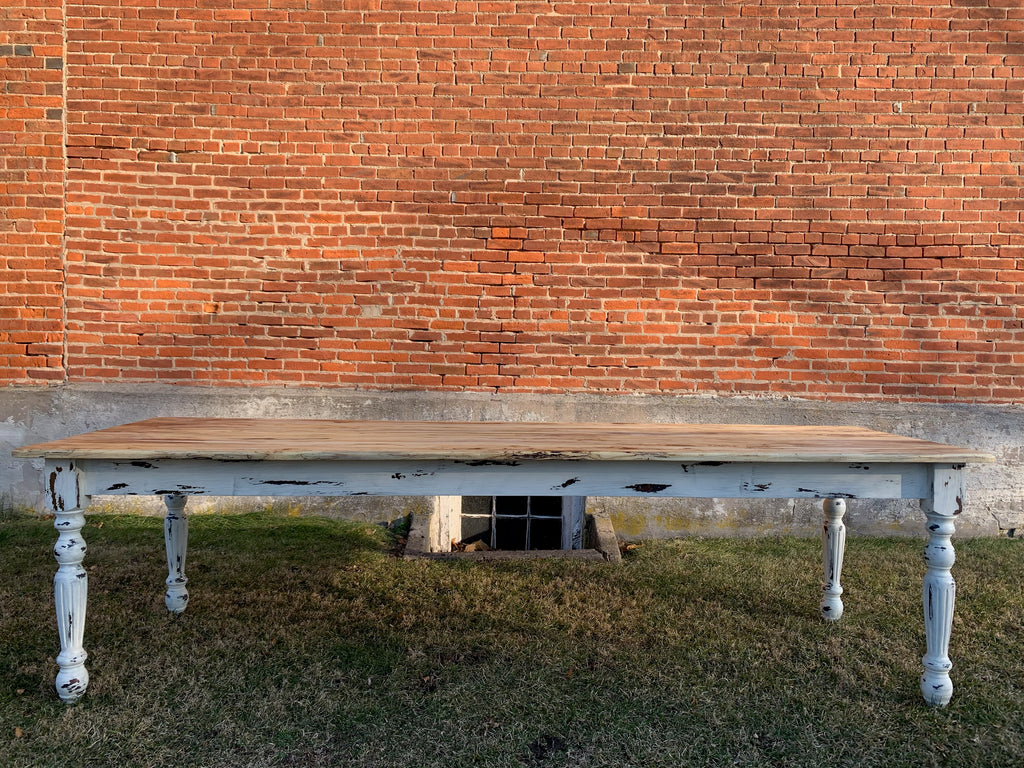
<point x="571" y="518"/>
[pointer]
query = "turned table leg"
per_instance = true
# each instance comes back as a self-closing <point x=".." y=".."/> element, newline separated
<point x="939" y="591"/>
<point x="833" y="545"/>
<point x="70" y="590"/>
<point x="176" y="542"/>
<point x="71" y="582"/>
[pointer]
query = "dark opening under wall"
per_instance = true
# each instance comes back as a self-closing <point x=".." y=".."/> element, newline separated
<point x="513" y="522"/>
<point x="518" y="526"/>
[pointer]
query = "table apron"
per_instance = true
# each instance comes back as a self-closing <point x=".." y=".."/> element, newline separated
<point x="404" y="477"/>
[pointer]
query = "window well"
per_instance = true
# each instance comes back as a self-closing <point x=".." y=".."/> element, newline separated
<point x="510" y="527"/>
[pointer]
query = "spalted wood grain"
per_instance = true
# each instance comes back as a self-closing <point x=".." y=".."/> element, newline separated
<point x="301" y="439"/>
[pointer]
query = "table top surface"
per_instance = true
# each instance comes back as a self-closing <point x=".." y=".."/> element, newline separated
<point x="309" y="439"/>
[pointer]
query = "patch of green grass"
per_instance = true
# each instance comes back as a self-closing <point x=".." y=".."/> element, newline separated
<point x="9" y="510"/>
<point x="308" y="643"/>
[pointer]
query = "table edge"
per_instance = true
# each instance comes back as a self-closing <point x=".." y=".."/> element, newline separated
<point x="932" y="453"/>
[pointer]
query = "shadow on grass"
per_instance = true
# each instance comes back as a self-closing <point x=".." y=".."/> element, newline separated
<point x="307" y="643"/>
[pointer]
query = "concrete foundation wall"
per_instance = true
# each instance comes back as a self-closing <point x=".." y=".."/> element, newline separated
<point x="995" y="502"/>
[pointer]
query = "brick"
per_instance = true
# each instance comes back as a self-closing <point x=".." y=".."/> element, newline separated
<point x="555" y="207"/>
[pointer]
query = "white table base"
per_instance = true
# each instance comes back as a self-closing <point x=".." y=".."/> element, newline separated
<point x="938" y="486"/>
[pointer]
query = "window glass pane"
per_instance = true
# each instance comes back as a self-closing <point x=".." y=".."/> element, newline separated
<point x="476" y="505"/>
<point x="511" y="533"/>
<point x="546" y="534"/>
<point x="546" y="506"/>
<point x="510" y="505"/>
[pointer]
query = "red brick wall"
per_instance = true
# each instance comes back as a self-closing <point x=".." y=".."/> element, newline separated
<point x="797" y="197"/>
<point x="31" y="192"/>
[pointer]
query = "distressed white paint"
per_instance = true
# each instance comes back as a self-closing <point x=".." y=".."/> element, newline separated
<point x="448" y="519"/>
<point x="573" y="508"/>
<point x="339" y="459"/>
<point x="176" y="544"/>
<point x="814" y="480"/>
<point x="833" y="545"/>
<point x="71" y="582"/>
<point x="64" y="486"/>
<point x="939" y="589"/>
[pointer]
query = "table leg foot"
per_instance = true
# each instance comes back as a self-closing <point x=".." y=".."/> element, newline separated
<point x="176" y="541"/>
<point x="833" y="546"/>
<point x="70" y="592"/>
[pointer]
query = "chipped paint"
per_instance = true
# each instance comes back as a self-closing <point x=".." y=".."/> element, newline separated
<point x="686" y="467"/>
<point x="818" y="494"/>
<point x="55" y="501"/>
<point x="299" y="483"/>
<point x="721" y="479"/>
<point x="70" y="587"/>
<point x="176" y="545"/>
<point x="648" y="487"/>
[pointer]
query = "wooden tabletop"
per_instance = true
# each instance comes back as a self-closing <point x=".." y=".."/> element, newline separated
<point x="299" y="439"/>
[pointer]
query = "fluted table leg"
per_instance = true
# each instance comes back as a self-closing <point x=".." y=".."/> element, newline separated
<point x="70" y="591"/>
<point x="939" y="591"/>
<point x="833" y="546"/>
<point x="176" y="542"/>
<point x="71" y="583"/>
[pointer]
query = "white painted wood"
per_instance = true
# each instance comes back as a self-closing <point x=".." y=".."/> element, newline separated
<point x="939" y="589"/>
<point x="572" y="521"/>
<point x="179" y="457"/>
<point x="64" y="486"/>
<point x="176" y="544"/>
<point x="71" y="582"/>
<point x="833" y="546"/>
<point x="448" y="519"/>
<point x="538" y="477"/>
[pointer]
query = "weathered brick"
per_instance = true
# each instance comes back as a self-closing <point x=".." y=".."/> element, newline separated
<point x="532" y="202"/>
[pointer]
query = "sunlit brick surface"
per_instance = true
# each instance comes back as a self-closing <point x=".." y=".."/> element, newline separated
<point x="799" y="197"/>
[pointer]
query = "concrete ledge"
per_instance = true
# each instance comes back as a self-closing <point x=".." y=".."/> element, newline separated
<point x="417" y="544"/>
<point x="601" y="534"/>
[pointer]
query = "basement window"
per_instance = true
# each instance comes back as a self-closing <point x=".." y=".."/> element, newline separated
<point x="521" y="522"/>
<point x="511" y="527"/>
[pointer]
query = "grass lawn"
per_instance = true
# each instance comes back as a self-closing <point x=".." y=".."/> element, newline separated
<point x="308" y="643"/>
